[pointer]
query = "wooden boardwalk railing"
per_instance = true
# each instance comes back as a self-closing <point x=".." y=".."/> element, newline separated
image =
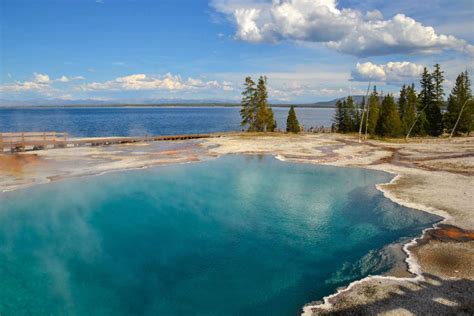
<point x="23" y="141"/>
<point x="34" y="140"/>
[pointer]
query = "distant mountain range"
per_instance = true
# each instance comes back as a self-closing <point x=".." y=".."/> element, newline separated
<point x="153" y="102"/>
<point x="330" y="104"/>
<point x="98" y="103"/>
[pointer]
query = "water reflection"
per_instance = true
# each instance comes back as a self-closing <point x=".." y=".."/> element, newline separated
<point x="235" y="235"/>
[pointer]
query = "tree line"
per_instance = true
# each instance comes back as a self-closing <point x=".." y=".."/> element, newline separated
<point x="414" y="113"/>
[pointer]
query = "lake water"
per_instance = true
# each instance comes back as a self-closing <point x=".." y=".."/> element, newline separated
<point x="239" y="235"/>
<point x="90" y="122"/>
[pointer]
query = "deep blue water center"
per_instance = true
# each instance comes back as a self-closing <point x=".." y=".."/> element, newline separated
<point x="239" y="235"/>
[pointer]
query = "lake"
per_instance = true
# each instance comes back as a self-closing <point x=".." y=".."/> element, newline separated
<point x="139" y="121"/>
<point x="238" y="235"/>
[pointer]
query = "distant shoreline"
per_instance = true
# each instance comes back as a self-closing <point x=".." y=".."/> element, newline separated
<point x="165" y="105"/>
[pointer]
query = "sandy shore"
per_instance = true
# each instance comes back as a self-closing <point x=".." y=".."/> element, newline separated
<point x="433" y="175"/>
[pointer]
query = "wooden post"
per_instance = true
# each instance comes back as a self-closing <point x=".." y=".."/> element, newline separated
<point x="363" y="112"/>
<point x="457" y="121"/>
<point x="414" y="123"/>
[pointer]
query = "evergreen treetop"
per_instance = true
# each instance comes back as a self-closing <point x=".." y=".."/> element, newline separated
<point x="459" y="96"/>
<point x="426" y="96"/>
<point x="429" y="102"/>
<point x="255" y="112"/>
<point x="389" y="121"/>
<point x="338" y="118"/>
<point x="264" y="121"/>
<point x="373" y="111"/>
<point x="292" y="124"/>
<point x="409" y="115"/>
<point x="249" y="105"/>
<point x="438" y="79"/>
<point x="402" y="101"/>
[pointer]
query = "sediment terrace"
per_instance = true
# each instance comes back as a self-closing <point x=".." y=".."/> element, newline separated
<point x="433" y="175"/>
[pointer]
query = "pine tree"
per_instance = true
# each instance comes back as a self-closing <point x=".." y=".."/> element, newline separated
<point x="438" y="80"/>
<point x="457" y="94"/>
<point x="426" y="95"/>
<point x="351" y="117"/>
<point x="346" y="121"/>
<point x="435" y="117"/>
<point x="373" y="111"/>
<point x="389" y="123"/>
<point x="466" y="123"/>
<point x="410" y="110"/>
<point x="402" y="102"/>
<point x="460" y="93"/>
<point x="271" y="122"/>
<point x="249" y="106"/>
<point x="433" y="120"/>
<point x="338" y="118"/>
<point x="292" y="124"/>
<point x="264" y="119"/>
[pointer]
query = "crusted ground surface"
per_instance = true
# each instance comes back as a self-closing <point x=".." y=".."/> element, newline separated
<point x="433" y="175"/>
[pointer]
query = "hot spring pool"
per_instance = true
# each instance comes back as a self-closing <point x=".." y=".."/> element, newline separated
<point x="239" y="235"/>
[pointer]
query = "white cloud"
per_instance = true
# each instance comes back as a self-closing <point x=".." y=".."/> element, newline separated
<point x="68" y="79"/>
<point x="401" y="34"/>
<point x="346" y="30"/>
<point x="227" y="86"/>
<point x="368" y="72"/>
<point x="391" y="72"/>
<point x="146" y="82"/>
<point x="374" y="15"/>
<point x="40" y="83"/>
<point x="41" y="78"/>
<point x="63" y="79"/>
<point x="301" y="83"/>
<point x="295" y="91"/>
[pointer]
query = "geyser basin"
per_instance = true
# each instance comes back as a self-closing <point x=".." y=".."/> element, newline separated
<point x="241" y="235"/>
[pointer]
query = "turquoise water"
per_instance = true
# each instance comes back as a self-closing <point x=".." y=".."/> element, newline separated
<point x="239" y="235"/>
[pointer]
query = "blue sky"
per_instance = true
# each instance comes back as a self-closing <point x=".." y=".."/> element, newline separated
<point x="310" y="50"/>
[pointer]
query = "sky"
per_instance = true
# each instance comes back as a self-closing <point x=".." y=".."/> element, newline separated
<point x="310" y="50"/>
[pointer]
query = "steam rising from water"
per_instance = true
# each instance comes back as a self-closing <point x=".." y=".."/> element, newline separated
<point x="236" y="235"/>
